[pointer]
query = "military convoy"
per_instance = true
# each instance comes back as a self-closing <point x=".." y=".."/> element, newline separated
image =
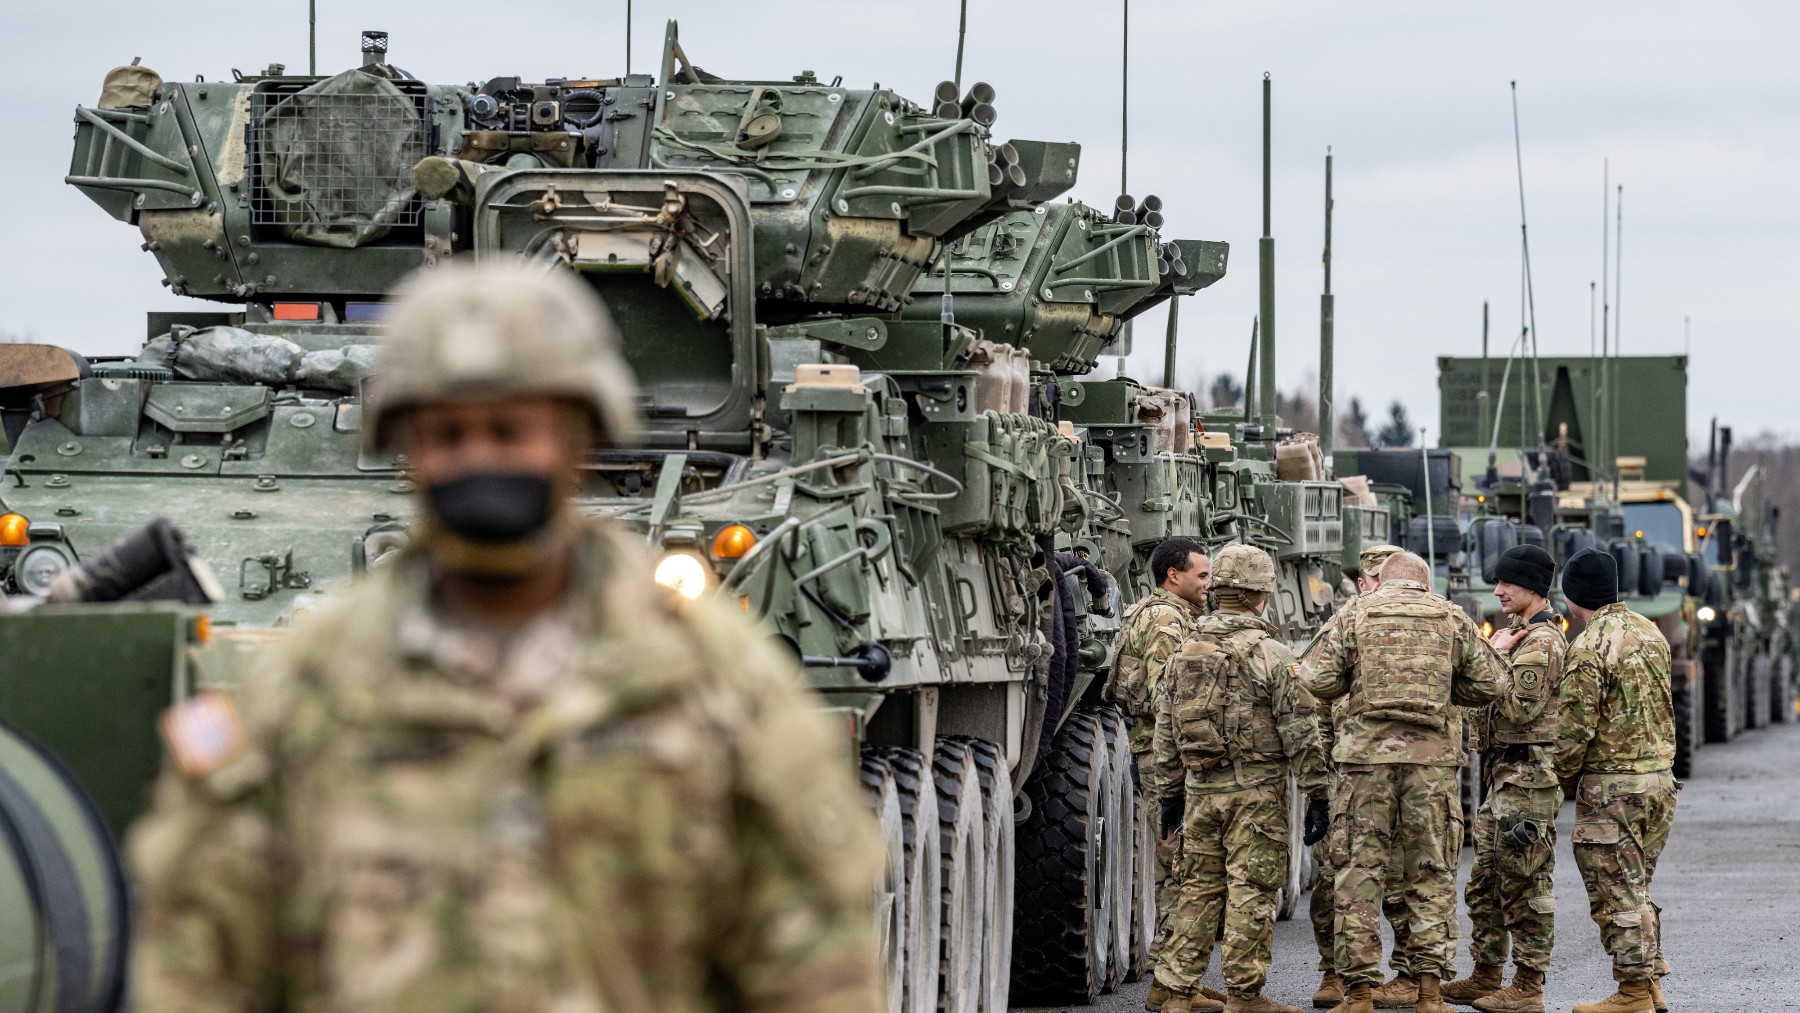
<point x="864" y="334"/>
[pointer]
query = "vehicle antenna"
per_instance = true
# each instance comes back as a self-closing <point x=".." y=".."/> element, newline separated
<point x="1430" y="521"/>
<point x="1591" y="437"/>
<point x="962" y="32"/>
<point x="628" y="36"/>
<point x="1327" y="323"/>
<point x="312" y="38"/>
<point x="1169" y="341"/>
<point x="1250" y="370"/>
<point x="1482" y="400"/>
<point x="1124" y="97"/>
<point x="1603" y="379"/>
<point x="1618" y="312"/>
<point x="1266" y="249"/>
<point x="1537" y="378"/>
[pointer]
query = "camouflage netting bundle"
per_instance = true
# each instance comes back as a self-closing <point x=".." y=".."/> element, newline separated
<point x="234" y="355"/>
<point x="335" y="160"/>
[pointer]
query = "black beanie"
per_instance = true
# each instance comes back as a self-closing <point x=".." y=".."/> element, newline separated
<point x="1528" y="566"/>
<point x="1591" y="579"/>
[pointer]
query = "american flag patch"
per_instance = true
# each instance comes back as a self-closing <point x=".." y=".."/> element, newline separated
<point x="204" y="733"/>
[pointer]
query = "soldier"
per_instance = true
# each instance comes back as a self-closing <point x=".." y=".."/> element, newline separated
<point x="1150" y="633"/>
<point x="1615" y="731"/>
<point x="1331" y="987"/>
<point x="1511" y="895"/>
<point x="1230" y="721"/>
<point x="1401" y="659"/>
<point x="507" y="771"/>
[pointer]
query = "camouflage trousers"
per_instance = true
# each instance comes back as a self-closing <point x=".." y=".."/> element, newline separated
<point x="1234" y="859"/>
<point x="1323" y="910"/>
<point x="1621" y="824"/>
<point x="1405" y="816"/>
<point x="1511" y="893"/>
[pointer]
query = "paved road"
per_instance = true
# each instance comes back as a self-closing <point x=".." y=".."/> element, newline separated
<point x="1729" y="885"/>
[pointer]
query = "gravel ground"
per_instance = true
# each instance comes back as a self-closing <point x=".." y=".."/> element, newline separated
<point x="1729" y="885"/>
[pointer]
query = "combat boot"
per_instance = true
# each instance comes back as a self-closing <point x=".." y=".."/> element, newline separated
<point x="1632" y="997"/>
<point x="1399" y="992"/>
<point x="1256" y="1002"/>
<point x="1662" y="1005"/>
<point x="1183" y="1002"/>
<point x="1524" y="995"/>
<point x="1331" y="991"/>
<point x="1159" y="994"/>
<point x="1485" y="981"/>
<point x="1356" y="1000"/>
<point x="1431" y="996"/>
<point x="1207" y="992"/>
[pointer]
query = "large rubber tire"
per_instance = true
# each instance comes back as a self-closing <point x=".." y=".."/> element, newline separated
<point x="963" y="882"/>
<point x="1121" y="846"/>
<point x="1762" y="690"/>
<point x="997" y="921"/>
<point x="883" y="799"/>
<point x="1719" y="696"/>
<point x="1782" y="706"/>
<point x="1059" y="872"/>
<point x="918" y="810"/>
<point x="1681" y="697"/>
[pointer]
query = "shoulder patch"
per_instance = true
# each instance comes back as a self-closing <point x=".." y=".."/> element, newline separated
<point x="204" y="733"/>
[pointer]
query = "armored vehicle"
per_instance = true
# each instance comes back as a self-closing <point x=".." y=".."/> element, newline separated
<point x="864" y="333"/>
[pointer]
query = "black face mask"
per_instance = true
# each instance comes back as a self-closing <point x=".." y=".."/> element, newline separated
<point x="493" y="506"/>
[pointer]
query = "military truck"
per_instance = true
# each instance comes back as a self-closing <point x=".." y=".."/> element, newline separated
<point x="1543" y="466"/>
<point x="864" y="335"/>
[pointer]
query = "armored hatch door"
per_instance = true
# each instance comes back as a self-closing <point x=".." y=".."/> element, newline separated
<point x="670" y="255"/>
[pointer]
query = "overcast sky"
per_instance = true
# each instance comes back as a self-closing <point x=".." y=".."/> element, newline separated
<point x="1696" y="105"/>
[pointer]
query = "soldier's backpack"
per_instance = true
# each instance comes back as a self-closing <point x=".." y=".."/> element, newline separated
<point x="1206" y="676"/>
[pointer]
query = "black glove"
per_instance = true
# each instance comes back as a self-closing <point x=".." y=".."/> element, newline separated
<point x="1174" y="808"/>
<point x="1137" y="780"/>
<point x="1318" y="821"/>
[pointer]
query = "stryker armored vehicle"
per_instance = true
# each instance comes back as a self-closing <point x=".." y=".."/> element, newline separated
<point x="863" y="331"/>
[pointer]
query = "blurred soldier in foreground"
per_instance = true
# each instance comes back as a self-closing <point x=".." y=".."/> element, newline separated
<point x="1150" y="632"/>
<point x="1322" y="909"/>
<point x="1230" y="721"/>
<point x="508" y="772"/>
<point x="1615" y="731"/>
<point x="1401" y="658"/>
<point x="1511" y="893"/>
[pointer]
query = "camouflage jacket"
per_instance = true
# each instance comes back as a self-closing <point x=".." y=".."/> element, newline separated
<point x="1521" y="722"/>
<point x="1266" y="721"/>
<point x="1614" y="713"/>
<point x="1150" y="633"/>
<point x="631" y="806"/>
<point x="1401" y="657"/>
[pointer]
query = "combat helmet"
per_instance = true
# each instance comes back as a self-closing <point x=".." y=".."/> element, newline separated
<point x="500" y="328"/>
<point x="1373" y="556"/>
<point x="1245" y="567"/>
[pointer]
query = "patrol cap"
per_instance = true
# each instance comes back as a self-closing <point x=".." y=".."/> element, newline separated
<point x="499" y="328"/>
<point x="1373" y="556"/>
<point x="1245" y="567"/>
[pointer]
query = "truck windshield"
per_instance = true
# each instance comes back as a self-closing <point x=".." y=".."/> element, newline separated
<point x="1659" y="522"/>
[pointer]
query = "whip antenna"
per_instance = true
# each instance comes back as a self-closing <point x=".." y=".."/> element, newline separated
<point x="1529" y="316"/>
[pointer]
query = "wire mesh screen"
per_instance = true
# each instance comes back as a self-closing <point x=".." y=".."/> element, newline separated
<point x="334" y="161"/>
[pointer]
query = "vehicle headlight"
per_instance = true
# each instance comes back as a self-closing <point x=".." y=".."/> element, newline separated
<point x="1706" y="614"/>
<point x="37" y="568"/>
<point x="682" y="573"/>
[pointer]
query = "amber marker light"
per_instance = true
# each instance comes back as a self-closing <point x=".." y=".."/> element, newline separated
<point x="13" y="529"/>
<point x="202" y="628"/>
<point x="732" y="542"/>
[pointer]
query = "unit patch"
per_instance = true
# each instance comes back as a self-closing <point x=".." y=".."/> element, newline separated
<point x="204" y="733"/>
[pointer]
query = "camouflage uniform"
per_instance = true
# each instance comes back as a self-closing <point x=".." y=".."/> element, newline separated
<point x="1234" y="849"/>
<point x="1615" y="730"/>
<point x="1151" y="631"/>
<point x="1401" y="658"/>
<point x="1511" y="894"/>
<point x="596" y="813"/>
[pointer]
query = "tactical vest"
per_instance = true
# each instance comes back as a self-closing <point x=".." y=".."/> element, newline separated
<point x="1126" y="682"/>
<point x="1405" y="651"/>
<point x="1536" y="673"/>
<point x="1211" y="669"/>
